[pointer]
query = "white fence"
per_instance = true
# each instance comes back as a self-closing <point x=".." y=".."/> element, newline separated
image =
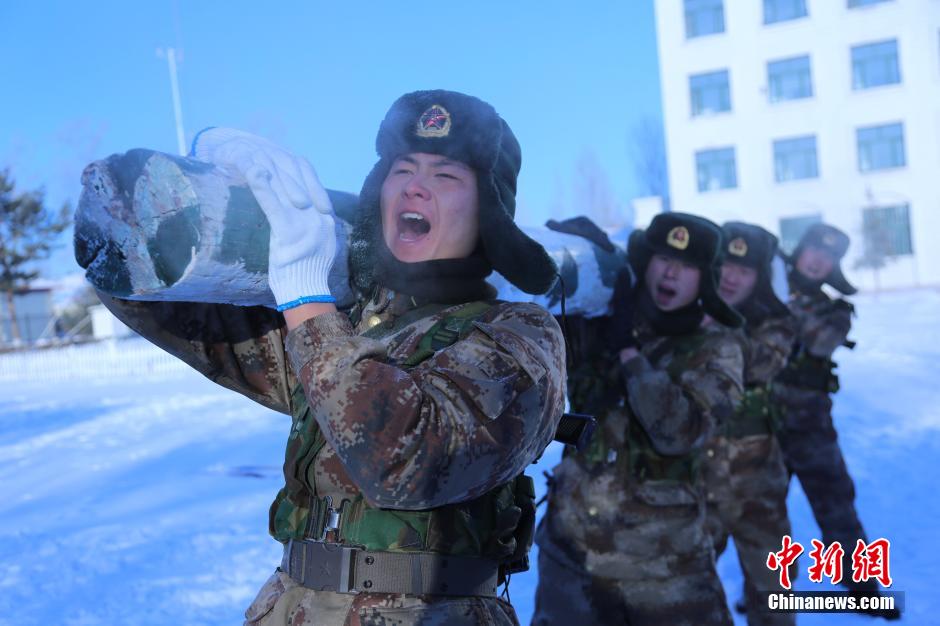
<point x="107" y="359"/>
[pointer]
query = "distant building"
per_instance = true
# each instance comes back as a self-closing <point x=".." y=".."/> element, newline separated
<point x="34" y="315"/>
<point x="787" y="112"/>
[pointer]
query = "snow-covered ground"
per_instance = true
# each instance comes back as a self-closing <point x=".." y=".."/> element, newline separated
<point x="142" y="499"/>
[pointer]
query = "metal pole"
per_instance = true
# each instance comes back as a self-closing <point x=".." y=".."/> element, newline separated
<point x="177" y="107"/>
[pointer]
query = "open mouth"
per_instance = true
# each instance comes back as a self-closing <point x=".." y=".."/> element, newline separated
<point x="412" y="226"/>
<point x="665" y="293"/>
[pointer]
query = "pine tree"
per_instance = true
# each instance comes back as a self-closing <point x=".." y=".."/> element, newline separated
<point x="28" y="233"/>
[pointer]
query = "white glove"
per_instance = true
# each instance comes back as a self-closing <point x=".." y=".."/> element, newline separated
<point x="303" y="236"/>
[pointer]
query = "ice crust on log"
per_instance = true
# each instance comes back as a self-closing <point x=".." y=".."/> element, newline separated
<point x="154" y="226"/>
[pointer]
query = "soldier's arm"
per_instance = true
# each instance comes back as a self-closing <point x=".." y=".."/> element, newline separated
<point x="678" y="415"/>
<point x="824" y="331"/>
<point x="460" y="423"/>
<point x="240" y="348"/>
<point x="768" y="348"/>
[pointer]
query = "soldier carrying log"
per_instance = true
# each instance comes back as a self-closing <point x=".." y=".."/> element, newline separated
<point x="415" y="413"/>
<point x="623" y="540"/>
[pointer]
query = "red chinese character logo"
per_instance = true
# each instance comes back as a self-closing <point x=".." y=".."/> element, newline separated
<point x="783" y="559"/>
<point x="871" y="561"/>
<point x="826" y="562"/>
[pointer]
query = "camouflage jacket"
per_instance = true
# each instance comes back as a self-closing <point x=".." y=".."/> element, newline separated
<point x="823" y="324"/>
<point x="457" y="425"/>
<point x="654" y="414"/>
<point x="742" y="460"/>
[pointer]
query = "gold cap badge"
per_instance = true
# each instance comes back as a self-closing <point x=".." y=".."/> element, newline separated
<point x="829" y="239"/>
<point x="738" y="247"/>
<point x="435" y="122"/>
<point x="678" y="238"/>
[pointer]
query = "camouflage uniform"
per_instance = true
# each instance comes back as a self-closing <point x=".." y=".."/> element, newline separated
<point x="808" y="437"/>
<point x="623" y="540"/>
<point x="745" y="476"/>
<point x="434" y="442"/>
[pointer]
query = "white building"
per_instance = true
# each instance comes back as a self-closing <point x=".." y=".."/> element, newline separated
<point x="785" y="112"/>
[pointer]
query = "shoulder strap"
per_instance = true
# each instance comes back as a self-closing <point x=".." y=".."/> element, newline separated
<point x="447" y="331"/>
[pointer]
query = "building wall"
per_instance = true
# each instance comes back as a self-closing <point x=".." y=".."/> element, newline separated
<point x="833" y="113"/>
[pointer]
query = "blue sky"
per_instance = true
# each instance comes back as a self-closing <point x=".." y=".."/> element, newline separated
<point x="84" y="80"/>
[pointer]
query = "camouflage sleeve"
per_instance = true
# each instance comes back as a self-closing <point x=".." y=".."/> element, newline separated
<point x="768" y="348"/>
<point x="460" y="423"/>
<point x="679" y="415"/>
<point x="822" y="331"/>
<point x="241" y="348"/>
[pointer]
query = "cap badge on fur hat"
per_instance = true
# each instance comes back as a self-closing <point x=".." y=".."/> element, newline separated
<point x="434" y="122"/>
<point x="829" y="239"/>
<point x="738" y="247"/>
<point x="678" y="238"/>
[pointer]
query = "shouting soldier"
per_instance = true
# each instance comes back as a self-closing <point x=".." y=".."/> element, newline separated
<point x="414" y="414"/>
<point x="624" y="540"/>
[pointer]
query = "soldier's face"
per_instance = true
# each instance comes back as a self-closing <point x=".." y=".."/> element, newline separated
<point x="737" y="282"/>
<point x="815" y="263"/>
<point x="429" y="208"/>
<point x="671" y="283"/>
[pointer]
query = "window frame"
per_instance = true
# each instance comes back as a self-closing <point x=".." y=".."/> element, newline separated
<point x="724" y="150"/>
<point x="772" y="79"/>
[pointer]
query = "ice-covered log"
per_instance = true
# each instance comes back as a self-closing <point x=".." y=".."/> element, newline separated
<point x="153" y="226"/>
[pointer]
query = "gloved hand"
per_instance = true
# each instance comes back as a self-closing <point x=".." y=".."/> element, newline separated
<point x="303" y="236"/>
<point x="620" y="330"/>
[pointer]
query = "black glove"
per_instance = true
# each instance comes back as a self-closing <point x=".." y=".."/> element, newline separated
<point x="620" y="332"/>
<point x="583" y="227"/>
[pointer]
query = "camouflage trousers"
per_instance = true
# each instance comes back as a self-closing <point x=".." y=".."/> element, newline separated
<point x="614" y="550"/>
<point x="282" y="602"/>
<point x="811" y="451"/>
<point x="751" y="507"/>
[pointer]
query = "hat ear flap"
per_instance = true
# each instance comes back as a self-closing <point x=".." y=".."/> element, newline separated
<point x="519" y="258"/>
<point x="838" y="282"/>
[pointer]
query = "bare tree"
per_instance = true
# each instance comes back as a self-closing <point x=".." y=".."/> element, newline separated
<point x="28" y="230"/>
<point x="877" y="249"/>
<point x="592" y="192"/>
<point x="647" y="149"/>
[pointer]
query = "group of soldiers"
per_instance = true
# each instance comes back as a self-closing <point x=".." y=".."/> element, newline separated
<point x="710" y="392"/>
<point x="415" y="413"/>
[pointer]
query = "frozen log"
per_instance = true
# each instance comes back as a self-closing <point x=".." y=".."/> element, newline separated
<point x="154" y="226"/>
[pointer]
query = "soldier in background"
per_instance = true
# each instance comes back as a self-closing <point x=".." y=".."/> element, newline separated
<point x="802" y="391"/>
<point x="745" y="476"/>
<point x="623" y="540"/>
<point x="415" y="413"/>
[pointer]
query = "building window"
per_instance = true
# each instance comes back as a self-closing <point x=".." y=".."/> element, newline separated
<point x="789" y="79"/>
<point x="887" y="231"/>
<point x="715" y="169"/>
<point x="704" y="17"/>
<point x="862" y="3"/>
<point x="710" y="93"/>
<point x="792" y="229"/>
<point x="795" y="159"/>
<point x="783" y="10"/>
<point x="875" y="64"/>
<point x="880" y="147"/>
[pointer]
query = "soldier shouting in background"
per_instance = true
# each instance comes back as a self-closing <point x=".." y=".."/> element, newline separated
<point x="414" y="414"/>
<point x="745" y="476"/>
<point x="624" y="540"/>
<point x="803" y="388"/>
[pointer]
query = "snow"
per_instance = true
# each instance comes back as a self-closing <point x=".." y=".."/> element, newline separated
<point x="143" y="498"/>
